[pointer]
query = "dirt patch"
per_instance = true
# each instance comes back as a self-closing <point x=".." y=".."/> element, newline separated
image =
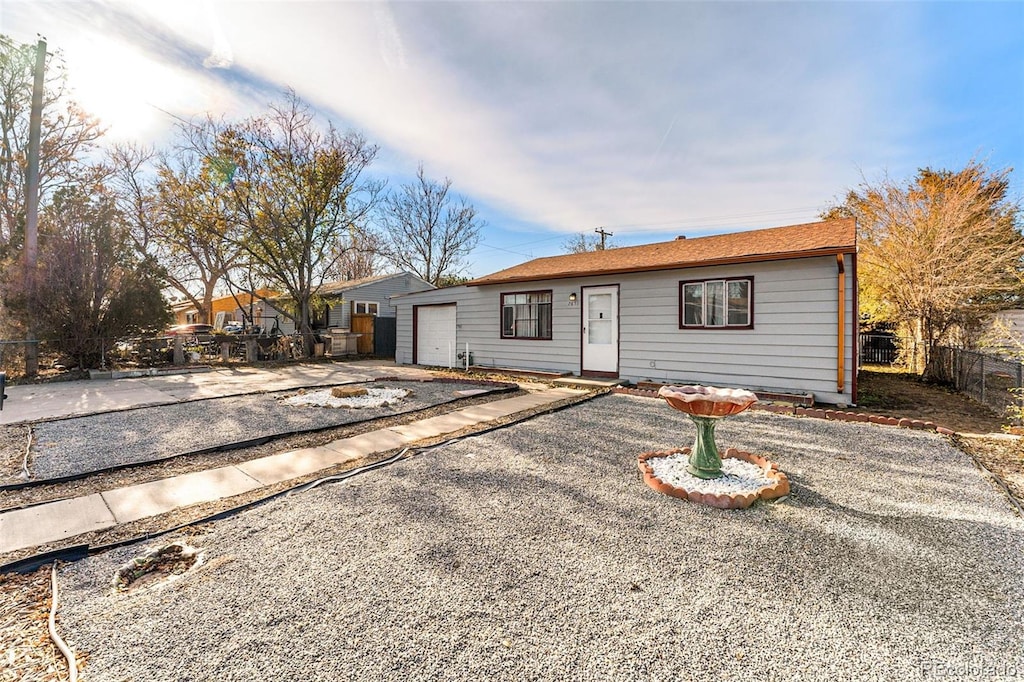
<point x="155" y="566"/>
<point x="14" y="445"/>
<point x="893" y="394"/>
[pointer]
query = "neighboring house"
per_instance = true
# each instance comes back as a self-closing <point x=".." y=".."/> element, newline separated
<point x="369" y="295"/>
<point x="1005" y="330"/>
<point x="223" y="309"/>
<point x="773" y="310"/>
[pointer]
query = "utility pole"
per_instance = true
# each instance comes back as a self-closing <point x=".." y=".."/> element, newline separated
<point x="604" y="235"/>
<point x="35" y="124"/>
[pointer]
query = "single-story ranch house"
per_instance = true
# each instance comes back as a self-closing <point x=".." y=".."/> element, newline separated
<point x="368" y="295"/>
<point x="772" y="310"/>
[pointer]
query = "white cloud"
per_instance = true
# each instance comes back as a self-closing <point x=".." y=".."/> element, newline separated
<point x="568" y="115"/>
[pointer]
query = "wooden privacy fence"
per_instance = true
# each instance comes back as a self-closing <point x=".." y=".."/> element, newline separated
<point x="362" y="324"/>
<point x="377" y="334"/>
<point x="885" y="349"/>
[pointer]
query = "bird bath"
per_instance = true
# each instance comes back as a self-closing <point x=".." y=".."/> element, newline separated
<point x="705" y="406"/>
<point x="749" y="476"/>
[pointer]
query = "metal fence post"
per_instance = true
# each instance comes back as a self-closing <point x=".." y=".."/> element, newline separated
<point x="981" y="365"/>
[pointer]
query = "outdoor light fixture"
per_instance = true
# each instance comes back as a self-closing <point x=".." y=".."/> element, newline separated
<point x="572" y="297"/>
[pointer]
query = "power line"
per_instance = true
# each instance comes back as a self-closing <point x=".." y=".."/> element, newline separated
<point x="709" y="219"/>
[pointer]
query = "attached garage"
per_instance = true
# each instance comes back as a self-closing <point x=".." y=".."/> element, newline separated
<point x="434" y="332"/>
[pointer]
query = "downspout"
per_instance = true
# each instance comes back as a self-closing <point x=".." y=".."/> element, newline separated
<point x="840" y="350"/>
<point x="855" y="351"/>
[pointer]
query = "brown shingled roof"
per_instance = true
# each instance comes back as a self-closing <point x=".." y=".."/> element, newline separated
<point x="776" y="243"/>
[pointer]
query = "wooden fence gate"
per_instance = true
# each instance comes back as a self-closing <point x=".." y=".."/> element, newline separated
<point x="362" y="324"/>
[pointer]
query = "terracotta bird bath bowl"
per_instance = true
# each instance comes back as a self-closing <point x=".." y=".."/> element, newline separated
<point x="746" y="477"/>
<point x="705" y="406"/>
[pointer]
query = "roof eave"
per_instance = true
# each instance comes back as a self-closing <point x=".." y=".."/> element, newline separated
<point x="759" y="258"/>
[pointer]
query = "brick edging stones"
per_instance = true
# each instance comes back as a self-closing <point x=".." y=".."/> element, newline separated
<point x="779" y="486"/>
<point x="817" y="413"/>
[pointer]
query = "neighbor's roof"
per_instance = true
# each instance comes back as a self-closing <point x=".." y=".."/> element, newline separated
<point x="776" y="243"/>
<point x="339" y="286"/>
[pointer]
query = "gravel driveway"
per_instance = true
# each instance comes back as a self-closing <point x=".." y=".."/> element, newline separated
<point x="536" y="552"/>
<point x="75" y="446"/>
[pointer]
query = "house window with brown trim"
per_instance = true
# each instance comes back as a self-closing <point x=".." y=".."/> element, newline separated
<point x="526" y="315"/>
<point x="717" y="304"/>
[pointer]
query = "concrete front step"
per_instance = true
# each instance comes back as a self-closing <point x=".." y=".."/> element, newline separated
<point x="589" y="382"/>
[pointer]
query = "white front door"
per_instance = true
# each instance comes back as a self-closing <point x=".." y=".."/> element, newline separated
<point x="435" y="335"/>
<point x="601" y="329"/>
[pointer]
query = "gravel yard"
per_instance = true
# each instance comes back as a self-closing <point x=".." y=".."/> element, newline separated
<point x="75" y="446"/>
<point x="536" y="552"/>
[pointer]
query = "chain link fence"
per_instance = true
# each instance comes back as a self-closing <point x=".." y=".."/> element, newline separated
<point x="990" y="379"/>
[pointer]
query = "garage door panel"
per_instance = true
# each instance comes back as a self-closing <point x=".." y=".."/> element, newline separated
<point x="435" y="335"/>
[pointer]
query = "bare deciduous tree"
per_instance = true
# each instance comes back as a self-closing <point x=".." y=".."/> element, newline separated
<point x="358" y="256"/>
<point x="174" y="205"/>
<point x="295" y="191"/>
<point x="584" y="243"/>
<point x="937" y="253"/>
<point x="428" y="231"/>
<point x="67" y="134"/>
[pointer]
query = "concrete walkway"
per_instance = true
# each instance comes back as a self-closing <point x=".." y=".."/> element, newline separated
<point x="32" y="402"/>
<point x="57" y="521"/>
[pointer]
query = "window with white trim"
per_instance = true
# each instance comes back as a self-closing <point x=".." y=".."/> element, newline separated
<point x="526" y="315"/>
<point x="717" y="303"/>
<point x="365" y="308"/>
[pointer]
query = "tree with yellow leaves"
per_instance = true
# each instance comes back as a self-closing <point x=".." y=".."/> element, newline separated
<point x="937" y="254"/>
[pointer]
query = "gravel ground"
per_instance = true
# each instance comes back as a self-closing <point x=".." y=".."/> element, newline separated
<point x="75" y="446"/>
<point x="536" y="552"/>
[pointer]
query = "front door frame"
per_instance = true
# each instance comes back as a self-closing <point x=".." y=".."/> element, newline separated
<point x="618" y="336"/>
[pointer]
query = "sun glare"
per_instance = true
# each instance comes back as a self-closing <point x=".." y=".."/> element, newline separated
<point x="124" y="89"/>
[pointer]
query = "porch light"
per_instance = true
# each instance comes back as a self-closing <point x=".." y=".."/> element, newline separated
<point x="572" y="297"/>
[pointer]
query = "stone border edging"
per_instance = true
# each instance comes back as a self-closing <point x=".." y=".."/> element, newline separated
<point x="780" y="487"/>
<point x="818" y="413"/>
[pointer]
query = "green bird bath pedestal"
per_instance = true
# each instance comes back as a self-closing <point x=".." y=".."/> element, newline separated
<point x="705" y="462"/>
<point x="705" y="406"/>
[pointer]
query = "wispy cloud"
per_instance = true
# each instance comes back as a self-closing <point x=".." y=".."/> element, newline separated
<point x="574" y="115"/>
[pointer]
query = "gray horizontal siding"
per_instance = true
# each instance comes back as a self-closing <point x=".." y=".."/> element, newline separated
<point x="791" y="348"/>
<point x="379" y="292"/>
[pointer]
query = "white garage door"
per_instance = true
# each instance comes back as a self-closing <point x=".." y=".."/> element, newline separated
<point x="435" y="332"/>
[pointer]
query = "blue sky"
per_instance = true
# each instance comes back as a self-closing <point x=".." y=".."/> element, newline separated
<point x="554" y="118"/>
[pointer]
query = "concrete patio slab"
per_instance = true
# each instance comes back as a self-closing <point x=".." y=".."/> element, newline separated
<point x="156" y="497"/>
<point x="34" y="402"/>
<point x="54" y="521"/>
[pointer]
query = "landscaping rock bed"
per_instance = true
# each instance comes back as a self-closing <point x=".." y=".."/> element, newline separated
<point x="537" y="552"/>
<point x="70" y="447"/>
